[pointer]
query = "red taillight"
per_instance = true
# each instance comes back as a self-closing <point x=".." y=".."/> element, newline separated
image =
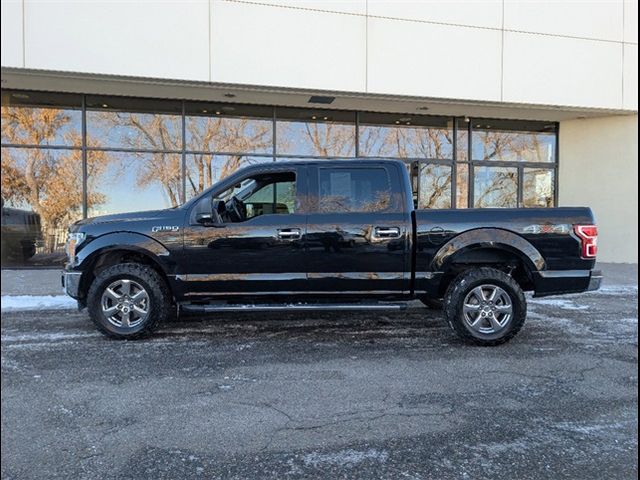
<point x="588" y="235"/>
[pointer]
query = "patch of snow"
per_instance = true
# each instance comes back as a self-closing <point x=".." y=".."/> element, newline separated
<point x="344" y="458"/>
<point x="562" y="303"/>
<point x="18" y="303"/>
<point x="593" y="429"/>
<point x="51" y="337"/>
<point x="615" y="290"/>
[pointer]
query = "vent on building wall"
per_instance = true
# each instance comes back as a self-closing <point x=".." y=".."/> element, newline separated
<point x="321" y="99"/>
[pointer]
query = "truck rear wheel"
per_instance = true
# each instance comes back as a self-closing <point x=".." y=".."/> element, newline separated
<point x="128" y="301"/>
<point x="485" y="306"/>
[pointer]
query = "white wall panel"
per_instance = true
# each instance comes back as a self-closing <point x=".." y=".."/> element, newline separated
<point x="631" y="21"/>
<point x="263" y="45"/>
<point x="595" y="19"/>
<point x="562" y="71"/>
<point x="412" y="58"/>
<point x="630" y="77"/>
<point x="356" y="7"/>
<point x="167" y="39"/>
<point x="599" y="168"/>
<point x="11" y="15"/>
<point x="487" y="13"/>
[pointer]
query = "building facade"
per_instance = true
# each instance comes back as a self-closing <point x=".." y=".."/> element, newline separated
<point x="120" y="106"/>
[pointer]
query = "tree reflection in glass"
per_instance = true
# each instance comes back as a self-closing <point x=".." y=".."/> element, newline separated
<point x="321" y="133"/>
<point x="406" y="142"/>
<point x="46" y="181"/>
<point x="229" y="134"/>
<point x="499" y="141"/>
<point x="203" y="170"/>
<point x="435" y="186"/>
<point x="161" y="133"/>
<point x="495" y="187"/>
<point x="538" y="187"/>
<point x="25" y="124"/>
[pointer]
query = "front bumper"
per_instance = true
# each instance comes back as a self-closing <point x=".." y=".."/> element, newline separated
<point x="71" y="283"/>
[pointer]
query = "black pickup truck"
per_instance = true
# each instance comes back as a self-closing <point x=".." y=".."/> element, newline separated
<point x="326" y="235"/>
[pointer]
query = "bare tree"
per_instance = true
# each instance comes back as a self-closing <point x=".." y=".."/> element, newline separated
<point x="147" y="131"/>
<point x="49" y="181"/>
<point x="238" y="136"/>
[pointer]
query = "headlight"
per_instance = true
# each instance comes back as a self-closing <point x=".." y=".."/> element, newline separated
<point x="73" y="240"/>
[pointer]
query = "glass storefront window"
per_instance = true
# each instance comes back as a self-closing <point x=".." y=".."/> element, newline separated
<point x="538" y="187"/>
<point x="495" y="187"/>
<point x="124" y="182"/>
<point x="435" y="186"/>
<point x="136" y="124"/>
<point x="36" y="118"/>
<point x="510" y="141"/>
<point x="134" y="149"/>
<point x="204" y="170"/>
<point x="405" y="136"/>
<point x="41" y="196"/>
<point x="321" y="133"/>
<point x="229" y="128"/>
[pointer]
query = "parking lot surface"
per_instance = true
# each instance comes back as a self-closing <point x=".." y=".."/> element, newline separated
<point x="334" y="395"/>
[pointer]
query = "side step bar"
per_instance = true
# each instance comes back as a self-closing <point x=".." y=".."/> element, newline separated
<point x="273" y="307"/>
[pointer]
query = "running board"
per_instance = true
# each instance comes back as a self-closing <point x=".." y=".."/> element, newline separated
<point x="273" y="307"/>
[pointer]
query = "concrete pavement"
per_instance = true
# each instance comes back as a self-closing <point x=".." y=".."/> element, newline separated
<point x="325" y="396"/>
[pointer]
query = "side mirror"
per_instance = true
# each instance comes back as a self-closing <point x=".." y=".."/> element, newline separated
<point x="211" y="218"/>
<point x="204" y="218"/>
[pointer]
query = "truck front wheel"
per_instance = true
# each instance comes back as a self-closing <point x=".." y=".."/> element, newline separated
<point x="128" y="300"/>
<point x="485" y="306"/>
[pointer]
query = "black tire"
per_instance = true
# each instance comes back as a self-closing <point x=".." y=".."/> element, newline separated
<point x="463" y="285"/>
<point x="159" y="300"/>
<point x="432" y="303"/>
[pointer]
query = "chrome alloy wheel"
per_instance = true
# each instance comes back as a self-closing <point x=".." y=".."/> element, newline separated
<point x="487" y="309"/>
<point x="125" y="303"/>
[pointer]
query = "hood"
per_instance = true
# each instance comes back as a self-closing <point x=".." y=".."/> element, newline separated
<point x="123" y="217"/>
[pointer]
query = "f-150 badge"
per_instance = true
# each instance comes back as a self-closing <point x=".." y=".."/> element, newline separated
<point x="165" y="228"/>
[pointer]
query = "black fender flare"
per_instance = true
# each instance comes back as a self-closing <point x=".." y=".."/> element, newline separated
<point x="130" y="241"/>
<point x="495" y="238"/>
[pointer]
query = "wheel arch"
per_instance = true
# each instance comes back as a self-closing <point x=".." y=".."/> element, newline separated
<point x="488" y="247"/>
<point x="115" y="248"/>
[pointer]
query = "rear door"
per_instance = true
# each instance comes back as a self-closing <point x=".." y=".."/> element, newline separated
<point x="358" y="230"/>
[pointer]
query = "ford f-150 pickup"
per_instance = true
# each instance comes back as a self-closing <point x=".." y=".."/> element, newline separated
<point x="326" y="235"/>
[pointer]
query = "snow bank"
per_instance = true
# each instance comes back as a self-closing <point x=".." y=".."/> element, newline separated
<point x="16" y="303"/>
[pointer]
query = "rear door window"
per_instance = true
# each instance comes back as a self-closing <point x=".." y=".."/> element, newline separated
<point x="354" y="190"/>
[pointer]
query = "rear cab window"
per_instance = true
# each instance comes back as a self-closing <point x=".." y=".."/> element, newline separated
<point x="354" y="190"/>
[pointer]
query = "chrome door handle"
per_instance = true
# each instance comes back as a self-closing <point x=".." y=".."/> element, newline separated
<point x="387" y="232"/>
<point x="289" y="234"/>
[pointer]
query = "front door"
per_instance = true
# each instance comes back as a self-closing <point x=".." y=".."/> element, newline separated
<point x="358" y="231"/>
<point x="258" y="249"/>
